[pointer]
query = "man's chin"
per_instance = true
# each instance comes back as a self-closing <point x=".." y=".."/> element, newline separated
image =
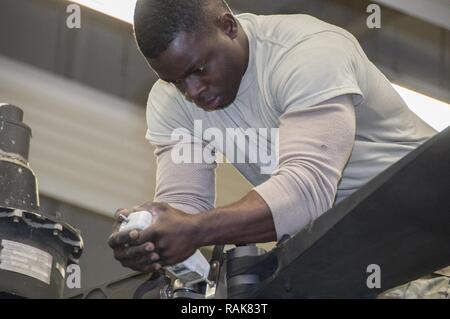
<point x="226" y="103"/>
<point x="218" y="108"/>
<point x="218" y="104"/>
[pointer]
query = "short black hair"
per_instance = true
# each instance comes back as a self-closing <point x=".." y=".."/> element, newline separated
<point x="157" y="22"/>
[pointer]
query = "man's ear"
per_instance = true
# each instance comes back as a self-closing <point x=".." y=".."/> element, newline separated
<point x="228" y="24"/>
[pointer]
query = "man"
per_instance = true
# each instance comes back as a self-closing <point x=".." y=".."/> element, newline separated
<point x="339" y="121"/>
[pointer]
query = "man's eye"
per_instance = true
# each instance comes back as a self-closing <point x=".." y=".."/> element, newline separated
<point x="200" y="70"/>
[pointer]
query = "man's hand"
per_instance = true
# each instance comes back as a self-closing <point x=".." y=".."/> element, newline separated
<point x="174" y="233"/>
<point x="142" y="258"/>
<point x="169" y="240"/>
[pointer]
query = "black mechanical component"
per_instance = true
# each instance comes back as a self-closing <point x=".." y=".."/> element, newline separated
<point x="19" y="186"/>
<point x="157" y="285"/>
<point x="240" y="274"/>
<point x="35" y="247"/>
<point x="211" y="291"/>
<point x="400" y="221"/>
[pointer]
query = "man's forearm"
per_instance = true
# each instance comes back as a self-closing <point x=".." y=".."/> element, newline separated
<point x="247" y="221"/>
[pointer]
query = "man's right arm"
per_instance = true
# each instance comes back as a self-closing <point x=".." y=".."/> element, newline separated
<point x="189" y="187"/>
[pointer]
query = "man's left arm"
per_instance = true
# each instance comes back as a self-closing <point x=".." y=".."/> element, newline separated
<point x="315" y="144"/>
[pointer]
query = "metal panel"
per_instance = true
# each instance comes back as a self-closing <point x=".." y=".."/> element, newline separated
<point x="20" y="23"/>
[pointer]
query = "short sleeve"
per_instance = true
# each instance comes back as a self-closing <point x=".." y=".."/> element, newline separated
<point x="166" y="112"/>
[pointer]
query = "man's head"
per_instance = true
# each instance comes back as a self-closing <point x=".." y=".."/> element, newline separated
<point x="196" y="44"/>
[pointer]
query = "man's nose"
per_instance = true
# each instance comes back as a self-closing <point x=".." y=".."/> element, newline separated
<point x="193" y="89"/>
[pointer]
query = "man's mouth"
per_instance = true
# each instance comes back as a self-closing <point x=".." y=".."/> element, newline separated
<point x="212" y="103"/>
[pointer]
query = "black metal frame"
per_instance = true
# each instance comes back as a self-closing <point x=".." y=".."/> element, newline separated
<point x="399" y="221"/>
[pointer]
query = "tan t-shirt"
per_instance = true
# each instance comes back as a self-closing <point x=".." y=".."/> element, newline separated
<point x="340" y="123"/>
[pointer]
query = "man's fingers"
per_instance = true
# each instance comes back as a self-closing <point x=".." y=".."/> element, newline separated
<point x="148" y="259"/>
<point x="149" y="234"/>
<point x="147" y="263"/>
<point x="139" y="255"/>
<point x="144" y="260"/>
<point x="122" y="211"/>
<point x="118" y="220"/>
<point x="121" y="238"/>
<point x="151" y="268"/>
<point x="134" y="251"/>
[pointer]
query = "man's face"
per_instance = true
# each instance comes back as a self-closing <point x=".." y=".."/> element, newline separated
<point x="206" y="69"/>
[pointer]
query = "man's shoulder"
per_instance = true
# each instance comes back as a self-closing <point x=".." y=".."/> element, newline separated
<point x="166" y="112"/>
<point x="161" y="87"/>
<point x="164" y="97"/>
<point x="165" y="102"/>
<point x="288" y="30"/>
